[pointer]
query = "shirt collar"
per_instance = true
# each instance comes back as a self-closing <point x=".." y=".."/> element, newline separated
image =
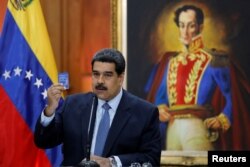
<point x="195" y="45"/>
<point x="113" y="102"/>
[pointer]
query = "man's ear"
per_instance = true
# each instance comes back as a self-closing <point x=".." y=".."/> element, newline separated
<point x="122" y="77"/>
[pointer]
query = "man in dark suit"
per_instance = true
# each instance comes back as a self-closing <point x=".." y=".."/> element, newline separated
<point x="133" y="124"/>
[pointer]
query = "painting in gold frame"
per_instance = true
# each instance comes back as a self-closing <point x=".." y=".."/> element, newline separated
<point x="145" y="30"/>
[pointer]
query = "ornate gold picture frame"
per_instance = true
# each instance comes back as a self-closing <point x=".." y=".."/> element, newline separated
<point x="144" y="29"/>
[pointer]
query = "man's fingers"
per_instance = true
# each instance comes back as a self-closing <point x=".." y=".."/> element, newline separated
<point x="212" y="123"/>
<point x="55" y="89"/>
<point x="209" y="122"/>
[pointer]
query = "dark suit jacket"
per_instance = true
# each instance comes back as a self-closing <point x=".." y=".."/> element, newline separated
<point x="134" y="135"/>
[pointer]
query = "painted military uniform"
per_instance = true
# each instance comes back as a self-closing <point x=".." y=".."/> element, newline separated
<point x="185" y="90"/>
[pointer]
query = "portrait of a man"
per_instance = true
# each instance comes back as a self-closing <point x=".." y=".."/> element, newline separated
<point x="192" y="73"/>
<point x="189" y="79"/>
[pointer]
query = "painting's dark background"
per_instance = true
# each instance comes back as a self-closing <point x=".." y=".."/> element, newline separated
<point x="142" y="15"/>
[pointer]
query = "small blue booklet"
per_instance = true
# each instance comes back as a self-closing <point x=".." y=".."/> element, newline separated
<point x="63" y="78"/>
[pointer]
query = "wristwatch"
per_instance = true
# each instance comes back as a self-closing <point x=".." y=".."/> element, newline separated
<point x="113" y="162"/>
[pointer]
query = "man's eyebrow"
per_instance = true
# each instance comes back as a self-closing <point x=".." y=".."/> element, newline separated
<point x="194" y="22"/>
<point x="109" y="72"/>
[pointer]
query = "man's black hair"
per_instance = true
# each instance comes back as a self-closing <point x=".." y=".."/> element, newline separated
<point x="199" y="13"/>
<point x="111" y="56"/>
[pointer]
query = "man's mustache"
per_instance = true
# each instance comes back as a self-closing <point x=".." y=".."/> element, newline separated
<point x="101" y="87"/>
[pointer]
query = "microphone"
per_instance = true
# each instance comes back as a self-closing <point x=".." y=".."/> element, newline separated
<point x="87" y="162"/>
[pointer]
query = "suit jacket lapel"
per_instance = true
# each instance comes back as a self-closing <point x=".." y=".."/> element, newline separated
<point x="122" y="115"/>
<point x="85" y="116"/>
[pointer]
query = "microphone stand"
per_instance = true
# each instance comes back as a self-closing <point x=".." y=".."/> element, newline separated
<point x="87" y="162"/>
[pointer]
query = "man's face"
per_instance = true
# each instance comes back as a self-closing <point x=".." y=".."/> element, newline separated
<point x="188" y="26"/>
<point x="106" y="83"/>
